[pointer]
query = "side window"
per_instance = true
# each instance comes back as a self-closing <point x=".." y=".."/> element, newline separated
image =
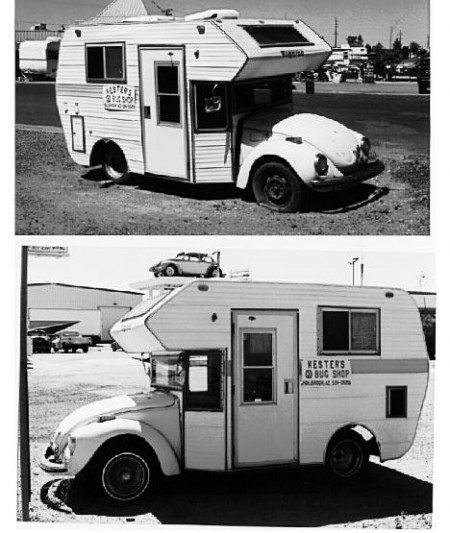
<point x="258" y="367"/>
<point x="204" y="390"/>
<point x="211" y="107"/>
<point x="168" y="93"/>
<point x="349" y="331"/>
<point x="396" y="402"/>
<point x="105" y="63"/>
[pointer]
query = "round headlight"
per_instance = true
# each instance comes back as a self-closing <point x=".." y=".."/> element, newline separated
<point x="72" y="441"/>
<point x="321" y="165"/>
<point x="365" y="146"/>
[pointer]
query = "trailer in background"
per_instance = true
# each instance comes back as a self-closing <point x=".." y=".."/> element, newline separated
<point x="39" y="59"/>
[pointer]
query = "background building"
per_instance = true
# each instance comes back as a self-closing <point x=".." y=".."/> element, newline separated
<point x="90" y="310"/>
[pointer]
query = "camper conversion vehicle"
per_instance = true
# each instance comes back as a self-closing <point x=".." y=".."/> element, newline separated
<point x="205" y="99"/>
<point x="254" y="374"/>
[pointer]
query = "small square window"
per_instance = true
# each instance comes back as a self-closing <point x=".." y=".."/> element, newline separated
<point x="396" y="402"/>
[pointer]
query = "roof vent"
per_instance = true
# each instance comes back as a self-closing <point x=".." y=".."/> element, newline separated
<point x="211" y="14"/>
<point x="150" y="18"/>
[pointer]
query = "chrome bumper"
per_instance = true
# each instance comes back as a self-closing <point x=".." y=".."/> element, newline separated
<point x="50" y="463"/>
<point x="335" y="184"/>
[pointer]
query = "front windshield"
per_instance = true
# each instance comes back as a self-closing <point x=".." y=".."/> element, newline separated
<point x="168" y="371"/>
<point x="260" y="93"/>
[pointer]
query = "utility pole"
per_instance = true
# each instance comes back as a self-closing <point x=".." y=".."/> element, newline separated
<point x="335" y="31"/>
<point x="352" y="263"/>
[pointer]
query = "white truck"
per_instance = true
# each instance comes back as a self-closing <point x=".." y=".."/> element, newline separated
<point x="254" y="374"/>
<point x="205" y="99"/>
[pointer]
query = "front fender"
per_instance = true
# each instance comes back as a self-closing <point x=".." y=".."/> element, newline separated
<point x="89" y="439"/>
<point x="300" y="157"/>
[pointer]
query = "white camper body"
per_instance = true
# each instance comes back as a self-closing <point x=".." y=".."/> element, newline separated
<point x="39" y="58"/>
<point x="170" y="97"/>
<point x="256" y="374"/>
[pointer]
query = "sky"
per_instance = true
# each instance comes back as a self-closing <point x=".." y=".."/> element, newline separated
<point x="122" y="264"/>
<point x="372" y="19"/>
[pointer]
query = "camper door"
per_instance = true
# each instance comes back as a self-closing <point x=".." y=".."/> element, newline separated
<point x="265" y="379"/>
<point x="163" y="103"/>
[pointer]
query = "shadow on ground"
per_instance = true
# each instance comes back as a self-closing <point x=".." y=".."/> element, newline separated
<point x="278" y="497"/>
<point x="332" y="202"/>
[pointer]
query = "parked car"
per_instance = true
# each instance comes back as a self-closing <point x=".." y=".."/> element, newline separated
<point x="424" y="75"/>
<point x="40" y="341"/>
<point x="71" y="341"/>
<point x="190" y="264"/>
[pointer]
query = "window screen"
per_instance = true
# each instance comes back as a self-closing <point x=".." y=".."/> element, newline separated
<point x="105" y="63"/>
<point x="282" y="35"/>
<point x="168" y="94"/>
<point x="258" y="367"/>
<point x="349" y="331"/>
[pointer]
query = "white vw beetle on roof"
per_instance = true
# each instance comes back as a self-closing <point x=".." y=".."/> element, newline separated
<point x="204" y="99"/>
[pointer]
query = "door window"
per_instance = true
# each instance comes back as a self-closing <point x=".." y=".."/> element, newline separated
<point x="204" y="391"/>
<point x="168" y="93"/>
<point x="258" y="367"/>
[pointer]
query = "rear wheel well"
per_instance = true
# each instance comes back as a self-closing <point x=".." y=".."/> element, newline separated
<point x="98" y="153"/>
<point x="366" y="434"/>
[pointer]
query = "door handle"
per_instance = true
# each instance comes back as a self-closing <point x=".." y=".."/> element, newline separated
<point x="288" y="386"/>
<point x="147" y="112"/>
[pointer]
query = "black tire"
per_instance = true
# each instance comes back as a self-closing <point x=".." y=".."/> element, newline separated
<point x="66" y="350"/>
<point x="347" y="455"/>
<point x="170" y="271"/>
<point x="115" y="165"/>
<point x="126" y="472"/>
<point x="55" y="349"/>
<point x="214" y="272"/>
<point x="85" y="349"/>
<point x="278" y="187"/>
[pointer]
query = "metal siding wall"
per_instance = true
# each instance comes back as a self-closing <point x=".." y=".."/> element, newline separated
<point x="401" y="330"/>
<point x="54" y="296"/>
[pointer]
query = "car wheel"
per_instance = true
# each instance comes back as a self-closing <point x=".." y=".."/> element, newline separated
<point x="347" y="455"/>
<point x="85" y="349"/>
<point x="214" y="272"/>
<point x="170" y="271"/>
<point x="115" y="166"/>
<point x="127" y="472"/>
<point x="66" y="350"/>
<point x="278" y="187"/>
<point x="55" y="349"/>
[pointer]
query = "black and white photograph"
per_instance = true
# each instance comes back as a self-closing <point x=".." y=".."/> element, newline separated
<point x="162" y="394"/>
<point x="224" y="226"/>
<point x="258" y="118"/>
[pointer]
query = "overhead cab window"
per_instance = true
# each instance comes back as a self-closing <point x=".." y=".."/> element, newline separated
<point x="105" y="63"/>
<point x="280" y="35"/>
<point x="349" y="331"/>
